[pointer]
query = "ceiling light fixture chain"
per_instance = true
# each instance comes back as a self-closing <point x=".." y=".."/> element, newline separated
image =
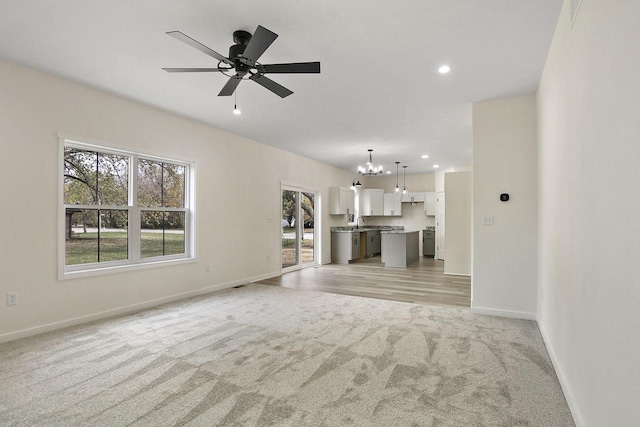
<point x="370" y="170"/>
<point x="397" y="189"/>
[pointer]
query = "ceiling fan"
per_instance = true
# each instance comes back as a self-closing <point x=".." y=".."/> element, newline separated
<point x="243" y="61"/>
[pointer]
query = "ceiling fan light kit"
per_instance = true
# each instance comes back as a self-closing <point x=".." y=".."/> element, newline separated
<point x="370" y="170"/>
<point x="242" y="63"/>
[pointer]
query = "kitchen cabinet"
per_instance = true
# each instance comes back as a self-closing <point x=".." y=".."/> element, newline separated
<point x="340" y="201"/>
<point x="429" y="242"/>
<point x="400" y="249"/>
<point x="430" y="204"/>
<point x="345" y="247"/>
<point x="413" y="198"/>
<point x="392" y="204"/>
<point x="372" y="202"/>
<point x="373" y="243"/>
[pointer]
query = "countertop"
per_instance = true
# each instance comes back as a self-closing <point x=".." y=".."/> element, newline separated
<point x="397" y="232"/>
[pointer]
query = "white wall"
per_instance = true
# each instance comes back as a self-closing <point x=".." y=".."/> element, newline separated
<point x="589" y="210"/>
<point x="504" y="161"/>
<point x="439" y="175"/>
<point x="458" y="190"/>
<point x="232" y="235"/>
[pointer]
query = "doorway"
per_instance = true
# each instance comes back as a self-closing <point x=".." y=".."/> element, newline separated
<point x="298" y="228"/>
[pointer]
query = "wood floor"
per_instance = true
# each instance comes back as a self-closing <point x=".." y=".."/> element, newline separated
<point x="422" y="283"/>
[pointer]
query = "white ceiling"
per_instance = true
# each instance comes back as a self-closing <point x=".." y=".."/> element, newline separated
<point x="379" y="86"/>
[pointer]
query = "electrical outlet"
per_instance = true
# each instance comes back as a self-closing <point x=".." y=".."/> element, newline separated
<point x="208" y="268"/>
<point x="12" y="298"/>
<point x="268" y="258"/>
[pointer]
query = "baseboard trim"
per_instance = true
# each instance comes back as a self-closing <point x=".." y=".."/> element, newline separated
<point x="504" y="313"/>
<point x="36" y="330"/>
<point x="577" y="417"/>
<point x="456" y="274"/>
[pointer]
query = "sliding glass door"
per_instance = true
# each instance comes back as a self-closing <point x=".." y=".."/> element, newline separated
<point x="298" y="228"/>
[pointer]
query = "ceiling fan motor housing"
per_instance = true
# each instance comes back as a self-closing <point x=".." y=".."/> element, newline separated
<point x="241" y="37"/>
<point x="235" y="53"/>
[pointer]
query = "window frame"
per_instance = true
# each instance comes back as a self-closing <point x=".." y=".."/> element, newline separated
<point x="135" y="260"/>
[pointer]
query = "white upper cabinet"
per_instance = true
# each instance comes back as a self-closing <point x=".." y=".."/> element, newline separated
<point x="413" y="198"/>
<point x="392" y="204"/>
<point x="372" y="202"/>
<point x="430" y="204"/>
<point x="340" y="201"/>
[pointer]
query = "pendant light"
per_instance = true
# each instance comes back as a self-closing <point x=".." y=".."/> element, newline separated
<point x="404" y="182"/>
<point x="397" y="189"/>
<point x="236" y="111"/>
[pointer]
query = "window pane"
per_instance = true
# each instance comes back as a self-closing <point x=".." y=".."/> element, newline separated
<point x="81" y="236"/>
<point x="307" y="206"/>
<point x="151" y="234"/>
<point x="160" y="184"/>
<point x="80" y="186"/>
<point x="173" y="182"/>
<point x="92" y="178"/>
<point x="114" y="242"/>
<point x="162" y="233"/>
<point x="149" y="183"/>
<point x="93" y="235"/>
<point x="113" y="179"/>
<point x="174" y="233"/>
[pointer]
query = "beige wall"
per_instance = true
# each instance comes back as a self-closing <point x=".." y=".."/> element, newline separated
<point x="589" y="206"/>
<point x="505" y="253"/>
<point x="458" y="238"/>
<point x="237" y="184"/>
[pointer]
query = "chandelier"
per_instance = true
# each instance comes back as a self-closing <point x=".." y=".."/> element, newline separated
<point x="370" y="170"/>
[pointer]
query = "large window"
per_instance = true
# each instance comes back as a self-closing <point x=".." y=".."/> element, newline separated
<point x="123" y="208"/>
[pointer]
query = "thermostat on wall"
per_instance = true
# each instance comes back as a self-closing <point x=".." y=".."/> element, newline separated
<point x="504" y="197"/>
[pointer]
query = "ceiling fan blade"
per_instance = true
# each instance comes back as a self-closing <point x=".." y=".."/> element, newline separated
<point x="192" y="70"/>
<point x="260" y="41"/>
<point x="202" y="48"/>
<point x="231" y="86"/>
<point x="294" y="67"/>
<point x="274" y="87"/>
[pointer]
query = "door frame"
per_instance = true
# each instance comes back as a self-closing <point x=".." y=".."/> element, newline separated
<point x="316" y="226"/>
<point x="440" y="218"/>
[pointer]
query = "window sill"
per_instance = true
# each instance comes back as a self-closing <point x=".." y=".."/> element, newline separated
<point x="99" y="271"/>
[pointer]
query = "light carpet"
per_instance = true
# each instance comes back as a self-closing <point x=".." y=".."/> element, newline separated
<point x="261" y="356"/>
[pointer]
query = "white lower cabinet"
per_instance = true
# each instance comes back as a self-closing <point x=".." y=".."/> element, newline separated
<point x="345" y="247"/>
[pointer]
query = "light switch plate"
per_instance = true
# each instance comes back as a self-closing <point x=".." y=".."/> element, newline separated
<point x="487" y="220"/>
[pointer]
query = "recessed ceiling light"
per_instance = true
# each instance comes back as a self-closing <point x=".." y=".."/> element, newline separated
<point x="444" y="69"/>
<point x="388" y="172"/>
<point x="425" y="156"/>
<point x="436" y="166"/>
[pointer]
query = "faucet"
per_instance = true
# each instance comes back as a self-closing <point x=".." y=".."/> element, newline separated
<point x="359" y="218"/>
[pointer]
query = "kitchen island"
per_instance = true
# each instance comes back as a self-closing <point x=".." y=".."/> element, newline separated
<point x="349" y="244"/>
<point x="399" y="248"/>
